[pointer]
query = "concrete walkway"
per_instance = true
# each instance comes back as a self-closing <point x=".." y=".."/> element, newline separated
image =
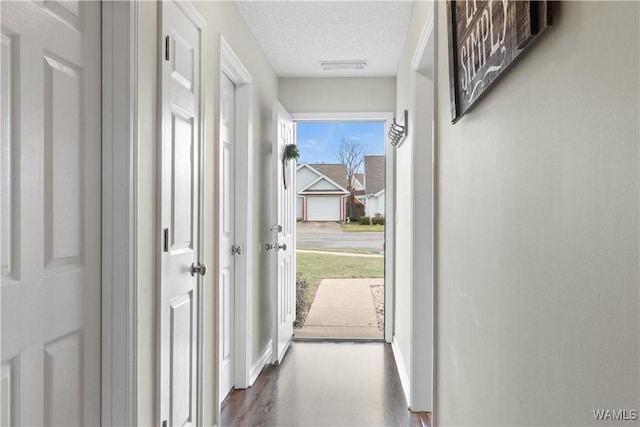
<point x="342" y="308"/>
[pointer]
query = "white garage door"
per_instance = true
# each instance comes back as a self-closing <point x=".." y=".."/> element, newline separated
<point x="323" y="208"/>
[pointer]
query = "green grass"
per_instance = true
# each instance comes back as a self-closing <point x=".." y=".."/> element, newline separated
<point x="354" y="227"/>
<point x="315" y="267"/>
<point x="350" y="251"/>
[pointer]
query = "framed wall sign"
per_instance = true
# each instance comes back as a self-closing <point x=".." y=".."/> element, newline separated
<point x="485" y="37"/>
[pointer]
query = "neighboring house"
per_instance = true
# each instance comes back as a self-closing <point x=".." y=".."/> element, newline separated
<point x="358" y="184"/>
<point x="373" y="195"/>
<point x="322" y="192"/>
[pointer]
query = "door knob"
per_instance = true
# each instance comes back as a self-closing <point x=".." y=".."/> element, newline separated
<point x="200" y="269"/>
<point x="236" y="250"/>
<point x="275" y="246"/>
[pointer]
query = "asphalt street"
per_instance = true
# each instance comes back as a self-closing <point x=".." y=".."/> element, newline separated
<point x="363" y="241"/>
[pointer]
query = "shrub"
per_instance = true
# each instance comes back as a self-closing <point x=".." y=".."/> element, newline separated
<point x="364" y="220"/>
<point x="301" y="306"/>
<point x="378" y="220"/>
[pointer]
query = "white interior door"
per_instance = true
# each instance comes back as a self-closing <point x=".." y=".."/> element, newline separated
<point x="51" y="210"/>
<point x="179" y="217"/>
<point x="284" y="285"/>
<point x="227" y="235"/>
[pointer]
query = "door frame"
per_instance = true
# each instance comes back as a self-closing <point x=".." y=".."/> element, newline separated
<point x="423" y="276"/>
<point x="235" y="70"/>
<point x="390" y="186"/>
<point x="119" y="212"/>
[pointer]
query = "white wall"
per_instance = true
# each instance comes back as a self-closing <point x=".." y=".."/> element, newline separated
<point x="222" y="19"/>
<point x="332" y="95"/>
<point x="538" y="227"/>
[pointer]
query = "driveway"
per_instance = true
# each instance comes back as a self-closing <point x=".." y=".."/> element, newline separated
<point x="330" y="235"/>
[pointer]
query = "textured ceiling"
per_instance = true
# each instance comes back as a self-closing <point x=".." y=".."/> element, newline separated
<point x="297" y="35"/>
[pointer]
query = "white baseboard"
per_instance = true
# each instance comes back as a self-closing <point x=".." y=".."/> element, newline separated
<point x="402" y="370"/>
<point x="260" y="363"/>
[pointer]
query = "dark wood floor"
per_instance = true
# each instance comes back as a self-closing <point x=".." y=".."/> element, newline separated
<point x="325" y="384"/>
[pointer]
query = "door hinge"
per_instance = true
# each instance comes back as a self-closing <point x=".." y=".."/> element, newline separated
<point x="165" y="236"/>
<point x="167" y="43"/>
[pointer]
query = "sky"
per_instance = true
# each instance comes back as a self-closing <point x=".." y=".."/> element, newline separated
<point x="317" y="141"/>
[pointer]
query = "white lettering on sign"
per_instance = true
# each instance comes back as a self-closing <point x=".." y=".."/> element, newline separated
<point x="483" y="42"/>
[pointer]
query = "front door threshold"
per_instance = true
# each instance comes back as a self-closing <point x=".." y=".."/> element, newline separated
<point x="297" y="338"/>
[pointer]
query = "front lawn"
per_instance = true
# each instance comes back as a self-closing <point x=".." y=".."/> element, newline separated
<point x="315" y="267"/>
<point x="354" y="227"/>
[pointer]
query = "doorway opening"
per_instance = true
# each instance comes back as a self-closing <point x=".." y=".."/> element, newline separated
<point x="341" y="211"/>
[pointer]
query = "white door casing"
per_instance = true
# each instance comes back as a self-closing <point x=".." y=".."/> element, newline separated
<point x="240" y="176"/>
<point x="284" y="281"/>
<point x="51" y="205"/>
<point x="227" y="236"/>
<point x="180" y="251"/>
<point x="119" y="212"/>
<point x="423" y="150"/>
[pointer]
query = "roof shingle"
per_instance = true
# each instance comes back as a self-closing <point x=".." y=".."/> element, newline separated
<point x="335" y="172"/>
<point x="373" y="174"/>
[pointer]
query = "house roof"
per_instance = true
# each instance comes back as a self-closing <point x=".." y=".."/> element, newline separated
<point x="324" y="183"/>
<point x="373" y="174"/>
<point x="335" y="172"/>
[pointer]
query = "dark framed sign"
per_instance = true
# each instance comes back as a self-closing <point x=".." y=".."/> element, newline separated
<point x="485" y="37"/>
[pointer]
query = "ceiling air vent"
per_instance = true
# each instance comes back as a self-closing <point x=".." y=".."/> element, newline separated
<point x="343" y="65"/>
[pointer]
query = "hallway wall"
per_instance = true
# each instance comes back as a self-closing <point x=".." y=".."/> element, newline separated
<point x="223" y="19"/>
<point x="338" y="95"/>
<point x="147" y="221"/>
<point x="538" y="229"/>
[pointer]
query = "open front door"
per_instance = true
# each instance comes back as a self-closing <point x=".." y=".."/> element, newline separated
<point x="284" y="234"/>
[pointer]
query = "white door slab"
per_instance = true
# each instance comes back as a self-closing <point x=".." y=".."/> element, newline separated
<point x="227" y="235"/>
<point x="51" y="213"/>
<point x="323" y="208"/>
<point x="284" y="282"/>
<point x="179" y="216"/>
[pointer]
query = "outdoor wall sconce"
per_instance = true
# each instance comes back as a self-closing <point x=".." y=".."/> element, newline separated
<point x="397" y="131"/>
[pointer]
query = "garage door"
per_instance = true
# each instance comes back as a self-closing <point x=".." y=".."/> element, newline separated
<point x="323" y="208"/>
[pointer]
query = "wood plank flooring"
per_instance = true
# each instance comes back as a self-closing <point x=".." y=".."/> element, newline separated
<point x="325" y="384"/>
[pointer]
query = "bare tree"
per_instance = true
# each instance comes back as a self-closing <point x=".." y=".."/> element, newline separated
<point x="351" y="153"/>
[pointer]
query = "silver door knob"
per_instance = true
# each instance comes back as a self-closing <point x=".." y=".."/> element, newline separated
<point x="200" y="269"/>
<point x="282" y="247"/>
<point x="236" y="250"/>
